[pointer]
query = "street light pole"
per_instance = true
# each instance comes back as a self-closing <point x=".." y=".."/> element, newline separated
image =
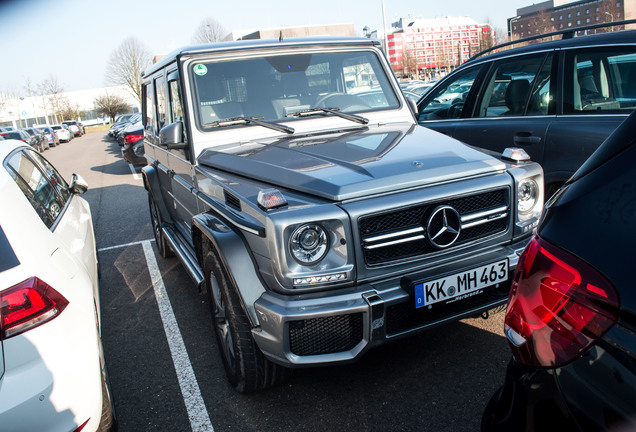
<point x="386" y="39"/>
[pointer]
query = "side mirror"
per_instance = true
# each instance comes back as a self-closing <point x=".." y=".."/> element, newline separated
<point x="171" y="136"/>
<point x="413" y="106"/>
<point x="78" y="184"/>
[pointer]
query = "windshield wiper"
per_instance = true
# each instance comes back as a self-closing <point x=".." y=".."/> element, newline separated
<point x="334" y="111"/>
<point x="247" y="120"/>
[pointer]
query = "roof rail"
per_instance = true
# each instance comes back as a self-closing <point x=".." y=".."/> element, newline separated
<point x="566" y="34"/>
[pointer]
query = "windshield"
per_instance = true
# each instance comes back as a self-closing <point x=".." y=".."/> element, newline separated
<point x="277" y="87"/>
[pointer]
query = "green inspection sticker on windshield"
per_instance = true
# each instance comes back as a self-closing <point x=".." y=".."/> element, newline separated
<point x="200" y="69"/>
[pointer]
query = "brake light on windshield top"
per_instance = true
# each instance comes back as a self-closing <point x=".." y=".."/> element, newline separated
<point x="558" y="306"/>
<point x="28" y="305"/>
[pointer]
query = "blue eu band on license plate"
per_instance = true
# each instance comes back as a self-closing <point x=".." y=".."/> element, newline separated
<point x="460" y="286"/>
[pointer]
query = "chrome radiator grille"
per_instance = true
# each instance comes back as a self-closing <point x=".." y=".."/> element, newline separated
<point x="407" y="232"/>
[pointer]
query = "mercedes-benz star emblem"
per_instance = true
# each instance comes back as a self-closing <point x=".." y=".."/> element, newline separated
<point x="443" y="226"/>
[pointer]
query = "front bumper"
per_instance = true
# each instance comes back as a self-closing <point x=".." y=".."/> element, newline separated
<point x="339" y="326"/>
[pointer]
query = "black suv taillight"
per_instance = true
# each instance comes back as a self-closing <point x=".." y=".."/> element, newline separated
<point x="558" y="306"/>
<point x="28" y="305"/>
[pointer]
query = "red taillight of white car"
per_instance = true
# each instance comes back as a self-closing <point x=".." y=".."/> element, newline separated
<point x="28" y="305"/>
<point x="558" y="306"/>
<point x="128" y="139"/>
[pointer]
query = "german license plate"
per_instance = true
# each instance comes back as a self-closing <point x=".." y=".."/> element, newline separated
<point x="460" y="286"/>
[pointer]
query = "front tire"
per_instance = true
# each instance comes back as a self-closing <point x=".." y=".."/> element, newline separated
<point x="246" y="367"/>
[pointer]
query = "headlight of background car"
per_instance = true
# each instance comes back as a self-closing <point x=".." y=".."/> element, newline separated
<point x="309" y="244"/>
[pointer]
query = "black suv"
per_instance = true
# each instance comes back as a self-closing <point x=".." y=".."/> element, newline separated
<point x="558" y="100"/>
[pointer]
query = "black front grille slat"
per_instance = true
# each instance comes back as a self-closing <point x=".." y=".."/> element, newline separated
<point x="325" y="335"/>
<point x="403" y="219"/>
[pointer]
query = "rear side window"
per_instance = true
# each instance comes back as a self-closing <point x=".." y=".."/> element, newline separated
<point x="40" y="183"/>
<point x="518" y="86"/>
<point x="600" y="80"/>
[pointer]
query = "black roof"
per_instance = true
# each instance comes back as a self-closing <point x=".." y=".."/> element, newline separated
<point x="256" y="44"/>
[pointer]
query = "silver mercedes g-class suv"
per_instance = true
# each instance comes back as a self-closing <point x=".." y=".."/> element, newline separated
<point x="292" y="181"/>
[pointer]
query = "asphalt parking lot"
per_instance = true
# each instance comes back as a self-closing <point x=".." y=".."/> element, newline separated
<point x="165" y="369"/>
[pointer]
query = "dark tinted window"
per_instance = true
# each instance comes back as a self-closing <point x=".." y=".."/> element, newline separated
<point x="447" y="100"/>
<point x="40" y="183"/>
<point x="518" y="86"/>
<point x="601" y="80"/>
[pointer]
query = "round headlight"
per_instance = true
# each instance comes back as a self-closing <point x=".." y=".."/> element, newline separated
<point x="527" y="195"/>
<point x="309" y="244"/>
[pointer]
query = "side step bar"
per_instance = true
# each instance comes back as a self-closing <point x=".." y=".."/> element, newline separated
<point x="188" y="260"/>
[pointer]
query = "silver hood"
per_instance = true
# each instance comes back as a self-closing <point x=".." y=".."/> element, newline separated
<point x="353" y="164"/>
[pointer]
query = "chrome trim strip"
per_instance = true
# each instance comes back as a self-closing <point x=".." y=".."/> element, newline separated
<point x="483" y="221"/>
<point x="393" y="235"/>
<point x="483" y="214"/>
<point x="394" y="242"/>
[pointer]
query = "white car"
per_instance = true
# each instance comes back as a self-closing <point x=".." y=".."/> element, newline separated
<point x="63" y="132"/>
<point x="52" y="371"/>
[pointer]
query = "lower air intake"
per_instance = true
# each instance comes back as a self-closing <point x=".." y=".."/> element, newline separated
<point x="325" y="335"/>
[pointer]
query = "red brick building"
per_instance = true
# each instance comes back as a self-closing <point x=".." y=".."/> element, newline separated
<point x="422" y="46"/>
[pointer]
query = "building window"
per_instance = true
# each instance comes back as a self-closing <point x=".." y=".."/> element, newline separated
<point x="569" y="15"/>
<point x="578" y="22"/>
<point x="578" y="13"/>
<point x="560" y="17"/>
<point x="618" y="4"/>
<point x="597" y="19"/>
<point x="587" y="20"/>
<point x="587" y="11"/>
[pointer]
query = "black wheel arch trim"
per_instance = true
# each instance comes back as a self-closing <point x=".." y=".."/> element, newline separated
<point x="235" y="258"/>
<point x="151" y="184"/>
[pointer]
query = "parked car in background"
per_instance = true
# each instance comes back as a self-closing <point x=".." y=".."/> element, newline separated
<point x="132" y="124"/>
<point x="119" y="127"/>
<point x="52" y="371"/>
<point x="558" y="100"/>
<point x="571" y="321"/>
<point x="42" y="141"/>
<point x="63" y="133"/>
<point x="133" y="145"/>
<point x="74" y="127"/>
<point x="50" y="135"/>
<point x="119" y="122"/>
<point x="320" y="224"/>
<point x="23" y="136"/>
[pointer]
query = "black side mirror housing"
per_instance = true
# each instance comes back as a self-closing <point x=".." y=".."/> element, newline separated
<point x="171" y="136"/>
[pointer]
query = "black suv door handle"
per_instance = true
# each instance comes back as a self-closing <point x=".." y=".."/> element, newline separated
<point x="526" y="139"/>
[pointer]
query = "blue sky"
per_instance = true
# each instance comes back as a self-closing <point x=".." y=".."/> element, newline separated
<point x="72" y="39"/>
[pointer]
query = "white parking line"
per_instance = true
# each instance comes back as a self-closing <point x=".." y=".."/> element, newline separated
<point x="134" y="172"/>
<point x="197" y="412"/>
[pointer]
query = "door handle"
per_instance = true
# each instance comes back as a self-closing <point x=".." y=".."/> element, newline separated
<point x="525" y="139"/>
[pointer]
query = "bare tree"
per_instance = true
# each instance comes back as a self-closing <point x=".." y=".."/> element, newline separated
<point x="210" y="30"/>
<point x="53" y="93"/>
<point x="126" y="64"/>
<point x="111" y="105"/>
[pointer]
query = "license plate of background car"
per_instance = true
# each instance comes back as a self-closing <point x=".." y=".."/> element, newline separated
<point x="460" y="286"/>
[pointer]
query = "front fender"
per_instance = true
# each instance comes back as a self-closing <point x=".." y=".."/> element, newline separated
<point x="234" y="256"/>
